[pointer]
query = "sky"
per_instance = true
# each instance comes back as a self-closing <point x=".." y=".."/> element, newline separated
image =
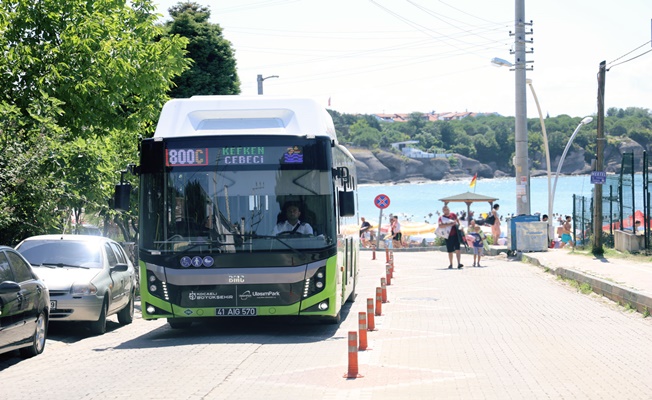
<point x="403" y="56"/>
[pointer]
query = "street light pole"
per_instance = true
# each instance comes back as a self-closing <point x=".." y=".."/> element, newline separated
<point x="260" y="80"/>
<point x="586" y="120"/>
<point x="545" y="143"/>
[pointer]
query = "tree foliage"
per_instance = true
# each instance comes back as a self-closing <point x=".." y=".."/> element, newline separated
<point x="490" y="138"/>
<point x="81" y="79"/>
<point x="213" y="69"/>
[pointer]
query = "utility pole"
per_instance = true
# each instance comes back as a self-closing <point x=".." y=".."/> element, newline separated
<point x="521" y="163"/>
<point x="599" y="164"/>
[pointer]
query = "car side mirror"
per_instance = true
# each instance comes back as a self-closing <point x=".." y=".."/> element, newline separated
<point x="7" y="287"/>
<point x="119" y="268"/>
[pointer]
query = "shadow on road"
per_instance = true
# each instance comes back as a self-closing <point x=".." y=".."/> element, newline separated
<point x="262" y="330"/>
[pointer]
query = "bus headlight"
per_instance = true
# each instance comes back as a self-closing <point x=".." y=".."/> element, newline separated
<point x="316" y="283"/>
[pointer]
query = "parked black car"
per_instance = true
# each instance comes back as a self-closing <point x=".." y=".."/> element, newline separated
<point x="24" y="305"/>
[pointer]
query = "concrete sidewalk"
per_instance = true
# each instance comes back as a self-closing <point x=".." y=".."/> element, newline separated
<point x="625" y="281"/>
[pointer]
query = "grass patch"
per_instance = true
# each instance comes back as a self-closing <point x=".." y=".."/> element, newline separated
<point x="612" y="253"/>
<point x="583" y="287"/>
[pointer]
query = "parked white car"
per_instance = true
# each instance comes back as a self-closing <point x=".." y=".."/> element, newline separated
<point x="89" y="277"/>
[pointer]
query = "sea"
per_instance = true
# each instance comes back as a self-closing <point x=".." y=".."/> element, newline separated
<point x="419" y="202"/>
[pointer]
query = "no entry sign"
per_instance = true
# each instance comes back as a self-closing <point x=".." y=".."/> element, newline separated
<point x="381" y="201"/>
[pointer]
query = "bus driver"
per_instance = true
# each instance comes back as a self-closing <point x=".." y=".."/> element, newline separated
<point x="292" y="224"/>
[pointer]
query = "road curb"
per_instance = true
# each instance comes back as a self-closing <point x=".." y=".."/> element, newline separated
<point x="620" y="294"/>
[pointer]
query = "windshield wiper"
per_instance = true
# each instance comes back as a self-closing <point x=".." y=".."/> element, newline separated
<point x="63" y="265"/>
<point x="283" y="242"/>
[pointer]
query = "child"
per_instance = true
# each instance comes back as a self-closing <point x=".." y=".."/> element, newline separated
<point x="478" y="242"/>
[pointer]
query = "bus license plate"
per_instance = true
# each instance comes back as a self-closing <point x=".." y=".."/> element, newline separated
<point x="53" y="304"/>
<point x="236" y="312"/>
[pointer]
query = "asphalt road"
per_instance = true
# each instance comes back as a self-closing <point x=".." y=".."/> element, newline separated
<point x="506" y="331"/>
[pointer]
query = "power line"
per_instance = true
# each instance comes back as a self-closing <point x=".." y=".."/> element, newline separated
<point x="628" y="60"/>
<point x="628" y="53"/>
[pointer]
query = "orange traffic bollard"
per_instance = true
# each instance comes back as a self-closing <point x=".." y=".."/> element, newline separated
<point x="388" y="275"/>
<point x="383" y="286"/>
<point x="389" y="268"/>
<point x="353" y="356"/>
<point x="387" y="254"/>
<point x="371" y="322"/>
<point x="362" y="330"/>
<point x="373" y="252"/>
<point x="379" y="301"/>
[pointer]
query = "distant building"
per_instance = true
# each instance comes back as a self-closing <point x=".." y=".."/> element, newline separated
<point x="432" y="116"/>
<point x="406" y="150"/>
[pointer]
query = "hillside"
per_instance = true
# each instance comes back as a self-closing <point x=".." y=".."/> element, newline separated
<point x="384" y="166"/>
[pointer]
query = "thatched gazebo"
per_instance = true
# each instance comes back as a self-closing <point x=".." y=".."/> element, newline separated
<point x="469" y="198"/>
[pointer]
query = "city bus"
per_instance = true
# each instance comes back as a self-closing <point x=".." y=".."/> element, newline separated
<point x="215" y="184"/>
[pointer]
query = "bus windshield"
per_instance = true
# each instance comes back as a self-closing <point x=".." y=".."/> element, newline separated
<point x="227" y="211"/>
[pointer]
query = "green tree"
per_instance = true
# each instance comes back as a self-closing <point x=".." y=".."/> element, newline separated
<point x="81" y="79"/>
<point x="213" y="70"/>
<point x="364" y="135"/>
<point x="447" y="134"/>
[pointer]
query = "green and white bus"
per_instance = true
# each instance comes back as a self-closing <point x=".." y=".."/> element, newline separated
<point x="215" y="182"/>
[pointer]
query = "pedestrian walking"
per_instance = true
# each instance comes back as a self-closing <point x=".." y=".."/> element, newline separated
<point x="365" y="233"/>
<point x="478" y="243"/>
<point x="495" y="228"/>
<point x="397" y="236"/>
<point x="448" y="221"/>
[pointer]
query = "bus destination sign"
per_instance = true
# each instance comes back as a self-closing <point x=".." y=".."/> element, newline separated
<point x="234" y="155"/>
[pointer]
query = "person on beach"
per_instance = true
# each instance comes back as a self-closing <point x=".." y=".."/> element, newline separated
<point x="448" y="220"/>
<point x="365" y="233"/>
<point x="495" y="228"/>
<point x="478" y="246"/>
<point x="397" y="237"/>
<point x="566" y="237"/>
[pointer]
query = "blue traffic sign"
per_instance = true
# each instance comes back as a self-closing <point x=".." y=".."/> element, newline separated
<point x="381" y="201"/>
<point x="598" y="177"/>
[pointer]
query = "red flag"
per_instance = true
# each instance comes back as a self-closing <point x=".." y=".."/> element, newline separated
<point x="474" y="180"/>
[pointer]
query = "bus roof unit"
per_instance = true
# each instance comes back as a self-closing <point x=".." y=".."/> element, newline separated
<point x="244" y="115"/>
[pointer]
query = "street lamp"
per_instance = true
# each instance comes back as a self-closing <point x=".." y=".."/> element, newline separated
<point x="260" y="80"/>
<point x="545" y="143"/>
<point x="586" y="120"/>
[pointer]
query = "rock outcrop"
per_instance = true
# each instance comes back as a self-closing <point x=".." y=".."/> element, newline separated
<point x="380" y="166"/>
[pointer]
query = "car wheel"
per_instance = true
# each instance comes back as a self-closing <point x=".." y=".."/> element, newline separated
<point x="38" y="340"/>
<point x="99" y="327"/>
<point x="126" y="315"/>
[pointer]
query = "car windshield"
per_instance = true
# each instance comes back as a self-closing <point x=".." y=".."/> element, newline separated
<point x="61" y="252"/>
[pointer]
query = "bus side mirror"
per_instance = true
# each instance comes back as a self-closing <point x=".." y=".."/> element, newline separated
<point x="121" y="197"/>
<point x="347" y="204"/>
